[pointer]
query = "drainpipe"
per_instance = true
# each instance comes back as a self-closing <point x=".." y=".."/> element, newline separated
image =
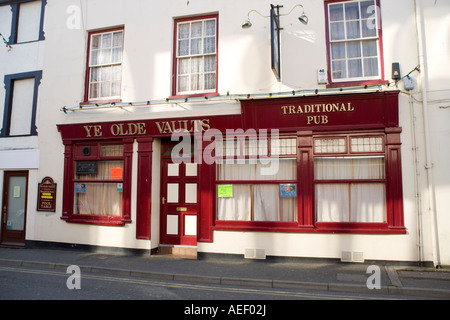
<point x="421" y="43"/>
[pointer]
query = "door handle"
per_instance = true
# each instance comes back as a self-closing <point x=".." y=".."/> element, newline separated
<point x="163" y="200"/>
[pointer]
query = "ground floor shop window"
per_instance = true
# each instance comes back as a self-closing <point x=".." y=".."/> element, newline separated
<point x="342" y="183"/>
<point x="258" y="188"/>
<point x="99" y="183"/>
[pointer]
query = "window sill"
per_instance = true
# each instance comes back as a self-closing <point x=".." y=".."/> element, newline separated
<point x="106" y="101"/>
<point x="319" y="227"/>
<point x="357" y="83"/>
<point x="96" y="220"/>
<point x="195" y="95"/>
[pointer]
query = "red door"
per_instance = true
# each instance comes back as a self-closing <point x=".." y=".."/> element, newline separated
<point x="14" y="208"/>
<point x="179" y="198"/>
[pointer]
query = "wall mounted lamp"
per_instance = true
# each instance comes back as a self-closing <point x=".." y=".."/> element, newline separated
<point x="302" y="18"/>
<point x="275" y="29"/>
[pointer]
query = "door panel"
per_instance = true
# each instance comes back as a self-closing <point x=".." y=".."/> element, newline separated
<point x="14" y="208"/>
<point x="178" y="201"/>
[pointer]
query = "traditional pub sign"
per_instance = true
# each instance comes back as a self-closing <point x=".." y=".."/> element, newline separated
<point x="46" y="195"/>
<point x="316" y="113"/>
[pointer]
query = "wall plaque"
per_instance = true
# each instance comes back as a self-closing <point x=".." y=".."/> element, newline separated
<point x="46" y="195"/>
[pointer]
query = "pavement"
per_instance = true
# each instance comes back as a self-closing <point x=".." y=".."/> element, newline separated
<point x="302" y="274"/>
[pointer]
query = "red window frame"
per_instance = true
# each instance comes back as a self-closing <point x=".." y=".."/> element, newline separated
<point x="362" y="82"/>
<point x="87" y="100"/>
<point x="306" y="222"/>
<point x="73" y="153"/>
<point x="175" y="59"/>
<point x="272" y="226"/>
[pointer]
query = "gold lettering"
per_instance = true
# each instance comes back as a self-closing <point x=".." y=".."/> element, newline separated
<point x="284" y="109"/>
<point x="97" y="131"/>
<point x="141" y="128"/>
<point x="88" y="131"/>
<point x="291" y="109"/>
<point x="205" y="125"/>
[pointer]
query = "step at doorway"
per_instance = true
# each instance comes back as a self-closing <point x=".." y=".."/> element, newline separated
<point x="185" y="252"/>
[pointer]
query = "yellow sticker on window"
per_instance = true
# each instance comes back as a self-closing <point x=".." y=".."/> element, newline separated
<point x="225" y="191"/>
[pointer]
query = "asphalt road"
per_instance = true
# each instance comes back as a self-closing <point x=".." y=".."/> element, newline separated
<point x="26" y="283"/>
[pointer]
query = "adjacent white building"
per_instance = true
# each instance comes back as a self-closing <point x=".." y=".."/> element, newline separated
<point x="343" y="115"/>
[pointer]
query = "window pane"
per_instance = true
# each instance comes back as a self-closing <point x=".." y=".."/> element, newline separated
<point x="355" y="68"/>
<point x="209" y="45"/>
<point x="196" y="46"/>
<point x="105" y="170"/>
<point x="183" y="31"/>
<point x="95" y="41"/>
<point x="353" y="49"/>
<point x="370" y="48"/>
<point x="104" y="199"/>
<point x="210" y="63"/>
<point x="95" y="74"/>
<point x="335" y="145"/>
<point x="349" y="168"/>
<point x="351" y="11"/>
<point x="210" y="27"/>
<point x="353" y="31"/>
<point x="256" y="202"/>
<point x="106" y="40"/>
<point x="105" y="74"/>
<point x="336" y="12"/>
<point x="196" y="29"/>
<point x="371" y="67"/>
<point x="264" y="169"/>
<point x="105" y="56"/>
<point x="339" y="69"/>
<point x="105" y="89"/>
<point x="115" y="88"/>
<point x="183" y="83"/>
<point x="368" y="9"/>
<point x="183" y="47"/>
<point x="112" y="150"/>
<point x="116" y="73"/>
<point x="338" y="51"/>
<point x="210" y="81"/>
<point x="118" y="39"/>
<point x="337" y="31"/>
<point x="116" y="55"/>
<point x="354" y="202"/>
<point x="93" y="91"/>
<point x="94" y="58"/>
<point x="183" y="66"/>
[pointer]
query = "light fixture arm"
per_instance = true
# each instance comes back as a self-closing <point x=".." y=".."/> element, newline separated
<point x="248" y="14"/>
<point x="298" y="5"/>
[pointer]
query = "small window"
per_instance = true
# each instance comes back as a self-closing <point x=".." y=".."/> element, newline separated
<point x="105" y="65"/>
<point x="195" y="56"/>
<point x="354" y="40"/>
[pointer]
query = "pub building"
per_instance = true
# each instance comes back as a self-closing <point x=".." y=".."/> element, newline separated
<point x="316" y="129"/>
<point x="282" y="170"/>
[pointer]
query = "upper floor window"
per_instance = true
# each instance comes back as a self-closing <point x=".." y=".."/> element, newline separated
<point x="104" y="72"/>
<point x="20" y="109"/>
<point x="354" y="41"/>
<point x="27" y="22"/>
<point x="195" y="58"/>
